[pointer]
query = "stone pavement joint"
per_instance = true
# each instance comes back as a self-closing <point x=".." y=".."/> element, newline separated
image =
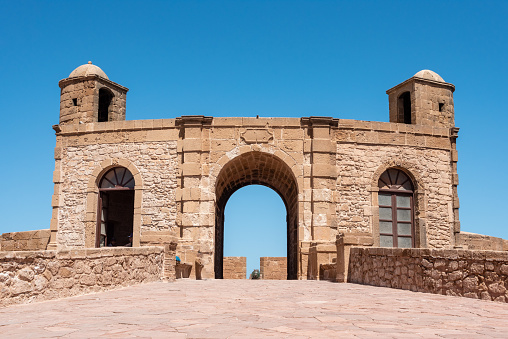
<point x="256" y="309"/>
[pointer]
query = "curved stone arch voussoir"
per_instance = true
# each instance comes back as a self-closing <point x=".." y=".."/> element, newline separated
<point x="108" y="164"/>
<point x="407" y="167"/>
<point x="295" y="168"/>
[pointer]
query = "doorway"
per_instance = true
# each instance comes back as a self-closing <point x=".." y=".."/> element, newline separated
<point x="115" y="208"/>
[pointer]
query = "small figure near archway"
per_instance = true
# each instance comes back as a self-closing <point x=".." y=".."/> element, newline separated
<point x="115" y="208"/>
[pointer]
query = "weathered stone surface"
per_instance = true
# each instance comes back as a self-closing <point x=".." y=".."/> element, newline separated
<point x="437" y="271"/>
<point x="235" y="268"/>
<point x="257" y="309"/>
<point x="23" y="277"/>
<point x="273" y="268"/>
<point x="24" y="241"/>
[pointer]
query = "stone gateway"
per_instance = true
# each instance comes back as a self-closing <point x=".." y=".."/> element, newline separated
<point x="149" y="182"/>
<point x="367" y="202"/>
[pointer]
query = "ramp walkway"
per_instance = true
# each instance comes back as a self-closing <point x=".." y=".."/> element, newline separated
<point x="256" y="309"/>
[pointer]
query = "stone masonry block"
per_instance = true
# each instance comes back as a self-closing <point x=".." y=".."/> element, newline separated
<point x="191" y="145"/>
<point x="191" y="168"/>
<point x="324" y="170"/>
<point x="321" y="133"/>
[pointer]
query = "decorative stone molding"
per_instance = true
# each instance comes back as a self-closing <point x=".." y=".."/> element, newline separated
<point x="257" y="136"/>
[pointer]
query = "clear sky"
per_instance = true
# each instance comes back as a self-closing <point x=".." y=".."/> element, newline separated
<point x="248" y="58"/>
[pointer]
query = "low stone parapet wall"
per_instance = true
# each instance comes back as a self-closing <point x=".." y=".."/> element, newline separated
<point x="25" y="241"/>
<point x="473" y="274"/>
<point x="41" y="275"/>
<point x="234" y="268"/>
<point x="273" y="268"/>
<point x="473" y="241"/>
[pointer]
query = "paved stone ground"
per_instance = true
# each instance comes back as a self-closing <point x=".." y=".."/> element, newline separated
<point x="254" y="309"/>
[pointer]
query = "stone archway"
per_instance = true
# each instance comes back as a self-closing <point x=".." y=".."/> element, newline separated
<point x="261" y="169"/>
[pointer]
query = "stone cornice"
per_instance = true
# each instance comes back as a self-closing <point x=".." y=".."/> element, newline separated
<point x="318" y="121"/>
<point x="64" y="82"/>
<point x="422" y="81"/>
<point x="193" y="120"/>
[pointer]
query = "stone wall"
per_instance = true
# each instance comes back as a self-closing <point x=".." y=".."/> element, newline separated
<point x="234" y="268"/>
<point x="79" y="100"/>
<point x="363" y="154"/>
<point x="273" y="268"/>
<point x="326" y="170"/>
<point x="473" y="241"/>
<point x="25" y="241"/>
<point x="41" y="275"/>
<point x="473" y="274"/>
<point x="157" y="165"/>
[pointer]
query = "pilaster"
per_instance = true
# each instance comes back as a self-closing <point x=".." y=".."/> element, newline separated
<point x="55" y="201"/>
<point x="454" y="133"/>
<point x="323" y="176"/>
<point x="194" y="200"/>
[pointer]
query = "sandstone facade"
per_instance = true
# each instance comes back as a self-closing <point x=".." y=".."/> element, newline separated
<point x="184" y="170"/>
<point x="473" y="274"/>
<point x="77" y="165"/>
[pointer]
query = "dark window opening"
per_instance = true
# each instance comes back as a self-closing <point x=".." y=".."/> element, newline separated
<point x="404" y="106"/>
<point x="396" y="209"/>
<point x="105" y="98"/>
<point x="441" y="106"/>
<point x="116" y="209"/>
<point x="75" y="101"/>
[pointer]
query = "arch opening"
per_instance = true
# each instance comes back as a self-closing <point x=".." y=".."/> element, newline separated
<point x="115" y="208"/>
<point x="255" y="227"/>
<point x="105" y="99"/>
<point x="257" y="168"/>
<point x="404" y="105"/>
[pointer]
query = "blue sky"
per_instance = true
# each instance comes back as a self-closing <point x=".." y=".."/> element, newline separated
<point x="244" y="58"/>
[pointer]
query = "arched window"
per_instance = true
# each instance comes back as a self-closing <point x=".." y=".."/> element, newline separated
<point x="105" y="98"/>
<point x="396" y="221"/>
<point x="404" y="108"/>
<point x="116" y="208"/>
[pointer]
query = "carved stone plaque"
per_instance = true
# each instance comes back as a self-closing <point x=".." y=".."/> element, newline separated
<point x="257" y="136"/>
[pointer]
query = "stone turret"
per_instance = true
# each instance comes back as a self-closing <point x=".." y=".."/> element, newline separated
<point x="88" y="95"/>
<point x="424" y="99"/>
